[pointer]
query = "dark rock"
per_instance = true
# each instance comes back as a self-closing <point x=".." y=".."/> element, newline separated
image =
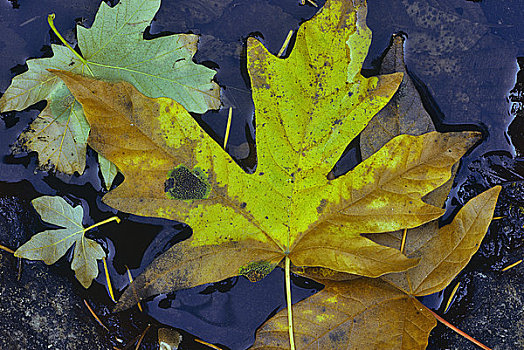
<point x="492" y="313"/>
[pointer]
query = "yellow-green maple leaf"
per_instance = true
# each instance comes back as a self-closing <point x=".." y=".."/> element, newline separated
<point x="308" y="108"/>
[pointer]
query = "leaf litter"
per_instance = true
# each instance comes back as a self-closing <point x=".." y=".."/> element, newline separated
<point x="289" y="210"/>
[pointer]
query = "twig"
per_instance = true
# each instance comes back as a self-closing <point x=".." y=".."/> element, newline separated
<point x="285" y="44"/>
<point x="95" y="315"/>
<point x="142" y="337"/>
<point x="228" y="126"/>
<point x="453" y="292"/>
<point x="131" y="281"/>
<point x="108" y="280"/>
<point x="208" y="344"/>
<point x="512" y="265"/>
<point x="452" y="327"/>
<point x="19" y="276"/>
<point x="403" y="242"/>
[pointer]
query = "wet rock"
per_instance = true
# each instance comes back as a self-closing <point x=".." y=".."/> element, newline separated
<point x="492" y="313"/>
<point x="41" y="311"/>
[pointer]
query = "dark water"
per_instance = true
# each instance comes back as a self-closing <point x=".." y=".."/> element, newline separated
<point x="462" y="54"/>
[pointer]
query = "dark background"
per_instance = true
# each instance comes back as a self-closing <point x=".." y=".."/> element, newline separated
<point x="463" y="55"/>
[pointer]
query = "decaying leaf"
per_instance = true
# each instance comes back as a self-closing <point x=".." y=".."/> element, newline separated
<point x="288" y="207"/>
<point x="51" y="245"/>
<point x="364" y="313"/>
<point x="114" y="50"/>
<point x="367" y="314"/>
<point x="404" y="114"/>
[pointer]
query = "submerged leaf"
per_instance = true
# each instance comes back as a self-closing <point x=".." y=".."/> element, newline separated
<point x="108" y="171"/>
<point x="289" y="207"/>
<point x="51" y="245"/>
<point x="114" y="50"/>
<point x="404" y="113"/>
<point x="168" y="339"/>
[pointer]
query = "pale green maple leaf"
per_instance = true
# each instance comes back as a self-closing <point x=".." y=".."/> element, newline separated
<point x="51" y="245"/>
<point x="113" y="49"/>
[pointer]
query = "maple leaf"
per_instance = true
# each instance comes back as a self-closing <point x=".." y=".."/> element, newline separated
<point x="51" y="245"/>
<point x="288" y="208"/>
<point x="363" y="313"/>
<point x="112" y="49"/>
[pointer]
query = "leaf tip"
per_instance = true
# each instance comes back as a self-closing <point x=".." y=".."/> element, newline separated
<point x="473" y="137"/>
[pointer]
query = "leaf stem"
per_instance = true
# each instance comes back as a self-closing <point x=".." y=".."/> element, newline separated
<point x="228" y="126"/>
<point x="452" y="327"/>
<point x="114" y="218"/>
<point x="9" y="250"/>
<point x="288" y="298"/>
<point x="50" y="20"/>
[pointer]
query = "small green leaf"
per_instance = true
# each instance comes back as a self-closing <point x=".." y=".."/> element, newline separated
<point x="51" y="245"/>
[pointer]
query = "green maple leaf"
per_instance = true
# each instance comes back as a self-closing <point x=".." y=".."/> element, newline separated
<point x="51" y="245"/>
<point x="113" y="49"/>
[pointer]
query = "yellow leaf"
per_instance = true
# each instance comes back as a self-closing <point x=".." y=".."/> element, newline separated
<point x="288" y="207"/>
<point x="363" y="314"/>
<point x="446" y="251"/>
